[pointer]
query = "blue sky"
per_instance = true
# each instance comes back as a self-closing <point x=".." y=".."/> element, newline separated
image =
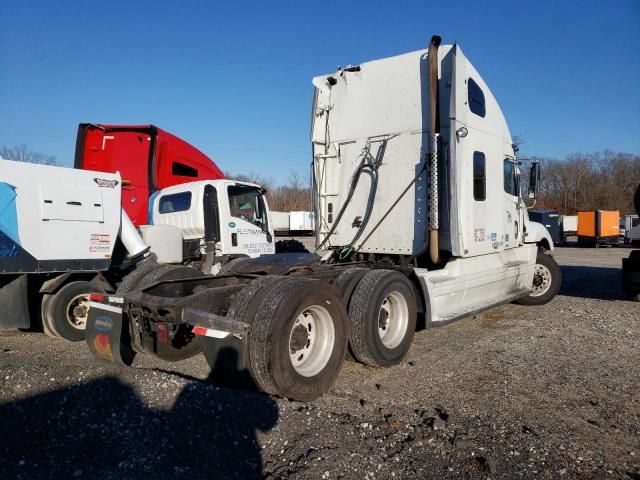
<point x="234" y="78"/>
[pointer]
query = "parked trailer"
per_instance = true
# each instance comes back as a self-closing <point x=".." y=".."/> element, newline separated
<point x="598" y="227"/>
<point x="417" y="201"/>
<point x="630" y="228"/>
<point x="570" y="225"/>
<point x="58" y="241"/>
<point x="293" y="223"/>
<point x="280" y="223"/>
<point x="552" y="221"/>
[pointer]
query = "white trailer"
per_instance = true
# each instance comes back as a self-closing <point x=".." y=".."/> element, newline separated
<point x="301" y="223"/>
<point x="280" y="223"/>
<point x="420" y="220"/>
<point x="570" y="224"/>
<point x="295" y="223"/>
<point x="61" y="232"/>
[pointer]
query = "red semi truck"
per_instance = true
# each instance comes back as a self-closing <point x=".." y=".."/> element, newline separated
<point x="147" y="157"/>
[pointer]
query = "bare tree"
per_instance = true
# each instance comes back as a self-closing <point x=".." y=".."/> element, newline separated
<point x="293" y="195"/>
<point x="598" y="181"/>
<point x="22" y="153"/>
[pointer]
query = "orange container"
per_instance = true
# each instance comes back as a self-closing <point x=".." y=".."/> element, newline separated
<point x="609" y="223"/>
<point x="586" y="224"/>
<point x="599" y="227"/>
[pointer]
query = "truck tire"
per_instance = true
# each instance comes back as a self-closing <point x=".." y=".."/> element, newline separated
<point x="130" y="282"/>
<point x="298" y="339"/>
<point x="547" y="279"/>
<point x="243" y="308"/>
<point x="228" y="267"/>
<point x="47" y="327"/>
<point x="64" y="313"/>
<point x="383" y="316"/>
<point x="290" y="246"/>
<point x="346" y="282"/>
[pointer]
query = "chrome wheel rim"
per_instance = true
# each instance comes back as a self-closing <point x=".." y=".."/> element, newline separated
<point x="311" y="341"/>
<point x="393" y="319"/>
<point x="78" y="311"/>
<point x="541" y="280"/>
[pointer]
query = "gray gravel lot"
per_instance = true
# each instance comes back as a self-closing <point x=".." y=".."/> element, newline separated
<point x="516" y="392"/>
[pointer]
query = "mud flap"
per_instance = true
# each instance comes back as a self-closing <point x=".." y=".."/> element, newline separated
<point x="107" y="334"/>
<point x="228" y="359"/>
<point x="14" y="301"/>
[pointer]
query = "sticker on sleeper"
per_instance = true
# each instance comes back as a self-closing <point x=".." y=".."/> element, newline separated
<point x="100" y="242"/>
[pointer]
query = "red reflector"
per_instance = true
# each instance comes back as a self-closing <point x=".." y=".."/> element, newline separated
<point x="199" y="331"/>
<point x="163" y="332"/>
<point x="96" y="297"/>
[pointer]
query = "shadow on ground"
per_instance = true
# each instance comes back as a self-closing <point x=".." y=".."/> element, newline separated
<point x="603" y="283"/>
<point x="102" y="429"/>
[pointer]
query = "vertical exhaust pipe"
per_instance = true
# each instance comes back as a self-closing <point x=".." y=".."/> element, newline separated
<point x="434" y="133"/>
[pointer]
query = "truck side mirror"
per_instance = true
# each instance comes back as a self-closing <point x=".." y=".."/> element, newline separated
<point x="534" y="180"/>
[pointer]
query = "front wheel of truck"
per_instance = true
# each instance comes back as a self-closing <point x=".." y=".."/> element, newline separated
<point x="547" y="278"/>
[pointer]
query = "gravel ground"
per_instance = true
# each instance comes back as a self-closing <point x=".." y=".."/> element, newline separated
<point x="516" y="392"/>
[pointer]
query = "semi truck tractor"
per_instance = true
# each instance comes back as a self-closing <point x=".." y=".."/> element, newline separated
<point x="420" y="222"/>
<point x="64" y="234"/>
<point x="148" y="158"/>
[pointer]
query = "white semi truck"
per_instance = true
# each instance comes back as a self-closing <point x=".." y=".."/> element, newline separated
<point x="420" y="222"/>
<point x="296" y="223"/>
<point x="63" y="234"/>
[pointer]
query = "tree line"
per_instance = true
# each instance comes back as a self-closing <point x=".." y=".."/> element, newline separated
<point x="597" y="181"/>
<point x="582" y="181"/>
<point x="291" y="196"/>
<point x="22" y="153"/>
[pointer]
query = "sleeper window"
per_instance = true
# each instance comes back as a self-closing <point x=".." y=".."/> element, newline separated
<point x="476" y="98"/>
<point x="183" y="170"/>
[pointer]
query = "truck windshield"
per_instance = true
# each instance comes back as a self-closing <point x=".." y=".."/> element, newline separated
<point x="246" y="203"/>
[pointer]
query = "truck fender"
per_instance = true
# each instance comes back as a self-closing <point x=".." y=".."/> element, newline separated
<point x="423" y="302"/>
<point x="537" y="233"/>
<point x="56" y="283"/>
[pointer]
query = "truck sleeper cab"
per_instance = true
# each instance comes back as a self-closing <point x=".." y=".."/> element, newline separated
<point x="419" y="218"/>
<point x="147" y="157"/>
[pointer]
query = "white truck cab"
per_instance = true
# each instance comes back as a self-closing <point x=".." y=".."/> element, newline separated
<point x="415" y="165"/>
<point x="236" y="211"/>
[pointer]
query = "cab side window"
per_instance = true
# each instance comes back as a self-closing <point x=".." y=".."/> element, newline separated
<point x="246" y="204"/>
<point x="176" y="202"/>
<point x="510" y="178"/>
